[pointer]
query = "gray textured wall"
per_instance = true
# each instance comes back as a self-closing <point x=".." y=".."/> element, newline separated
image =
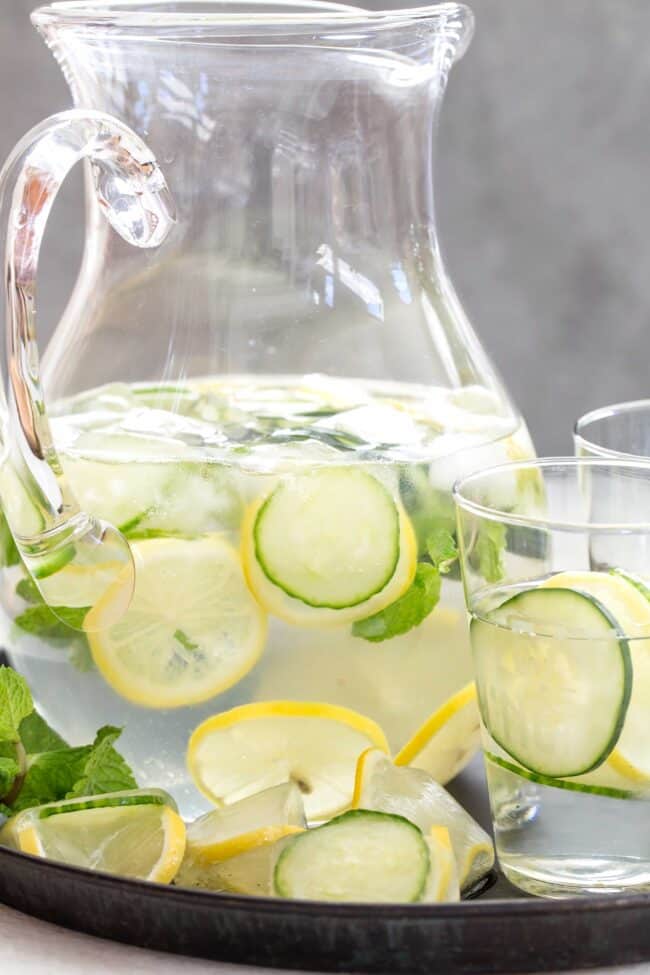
<point x="543" y="194"/>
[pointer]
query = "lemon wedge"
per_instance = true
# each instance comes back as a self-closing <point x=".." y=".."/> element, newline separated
<point x="260" y="819"/>
<point x="448" y="739"/>
<point x="413" y="793"/>
<point x="192" y="631"/>
<point x="314" y="745"/>
<point x="143" y="838"/>
<point x="249" y="873"/>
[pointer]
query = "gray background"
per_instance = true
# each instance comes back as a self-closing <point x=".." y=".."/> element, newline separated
<point x="542" y="187"/>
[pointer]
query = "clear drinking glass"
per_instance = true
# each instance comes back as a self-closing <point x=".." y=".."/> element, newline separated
<point x="620" y="430"/>
<point x="558" y="588"/>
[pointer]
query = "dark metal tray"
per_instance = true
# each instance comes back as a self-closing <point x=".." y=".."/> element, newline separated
<point x="497" y="931"/>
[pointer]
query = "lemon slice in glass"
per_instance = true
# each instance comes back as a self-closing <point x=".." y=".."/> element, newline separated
<point x="133" y="835"/>
<point x="448" y="739"/>
<point x="193" y="629"/>
<point x="623" y="596"/>
<point x="314" y="745"/>
<point x="413" y="793"/>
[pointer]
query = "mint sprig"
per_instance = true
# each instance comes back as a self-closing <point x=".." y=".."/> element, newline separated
<point x="487" y="554"/>
<point x="36" y="764"/>
<point x="39" y="620"/>
<point x="104" y="770"/>
<point x="420" y="599"/>
<point x="15" y="704"/>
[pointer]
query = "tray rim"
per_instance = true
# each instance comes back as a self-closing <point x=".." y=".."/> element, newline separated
<point x="525" y="906"/>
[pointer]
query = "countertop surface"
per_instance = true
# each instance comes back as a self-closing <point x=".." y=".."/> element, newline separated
<point x="31" y="947"/>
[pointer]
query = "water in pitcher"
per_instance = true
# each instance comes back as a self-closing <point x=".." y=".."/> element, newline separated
<point x="277" y="525"/>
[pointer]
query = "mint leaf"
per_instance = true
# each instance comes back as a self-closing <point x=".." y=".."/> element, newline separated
<point x="9" y="769"/>
<point x="406" y="612"/>
<point x="4" y="811"/>
<point x="68" y="773"/>
<point x="428" y="508"/>
<point x="15" y="703"/>
<point x="49" y="777"/>
<point x="105" y="769"/>
<point x="41" y="621"/>
<point x="185" y="641"/>
<point x="487" y="555"/>
<point x="79" y="655"/>
<point x="37" y="736"/>
<point x="28" y="590"/>
<point x="441" y="548"/>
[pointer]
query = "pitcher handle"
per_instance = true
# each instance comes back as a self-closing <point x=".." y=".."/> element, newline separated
<point x="54" y="537"/>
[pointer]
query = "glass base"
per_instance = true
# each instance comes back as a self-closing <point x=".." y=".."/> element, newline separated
<point x="559" y="877"/>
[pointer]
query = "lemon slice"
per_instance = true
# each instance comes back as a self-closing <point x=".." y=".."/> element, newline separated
<point x="192" y="630"/>
<point x="261" y="818"/>
<point x="328" y="548"/>
<point x="382" y="786"/>
<point x="448" y="739"/>
<point x="145" y="840"/>
<point x="630" y="758"/>
<point x="243" y="751"/>
<point x="442" y="883"/>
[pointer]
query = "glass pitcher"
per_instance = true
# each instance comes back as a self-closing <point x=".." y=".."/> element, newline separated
<point x="236" y="506"/>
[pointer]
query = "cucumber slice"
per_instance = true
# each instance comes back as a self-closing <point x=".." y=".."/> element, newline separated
<point x="633" y="579"/>
<point x="571" y="785"/>
<point x="49" y="564"/>
<point x="359" y="856"/>
<point x="330" y="538"/>
<point x="554" y="680"/>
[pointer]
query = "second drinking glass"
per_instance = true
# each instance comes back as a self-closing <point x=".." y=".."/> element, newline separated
<point x="560" y="631"/>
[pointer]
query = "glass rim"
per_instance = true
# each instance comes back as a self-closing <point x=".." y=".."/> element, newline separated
<point x="559" y="463"/>
<point x="255" y="14"/>
<point x="603" y="413"/>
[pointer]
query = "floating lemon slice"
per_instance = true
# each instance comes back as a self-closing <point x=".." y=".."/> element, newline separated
<point x="413" y="793"/>
<point x="328" y="547"/>
<point x="233" y="830"/>
<point x="448" y="739"/>
<point x="142" y="838"/>
<point x="623" y="597"/>
<point x="193" y="629"/>
<point x="316" y="746"/>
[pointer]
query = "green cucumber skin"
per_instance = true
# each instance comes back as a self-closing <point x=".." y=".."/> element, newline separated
<point x="116" y="803"/>
<point x="351" y="814"/>
<point x="295" y="595"/>
<point x="597" y="790"/>
<point x="626" y="658"/>
<point x="633" y="580"/>
<point x="53" y="563"/>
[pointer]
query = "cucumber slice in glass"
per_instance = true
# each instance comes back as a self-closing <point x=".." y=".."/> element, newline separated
<point x="572" y="785"/>
<point x="554" y="680"/>
<point x="360" y="856"/>
<point x="330" y="539"/>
